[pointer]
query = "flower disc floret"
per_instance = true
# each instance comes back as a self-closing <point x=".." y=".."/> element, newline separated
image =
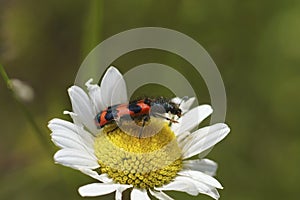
<point x="142" y="162"/>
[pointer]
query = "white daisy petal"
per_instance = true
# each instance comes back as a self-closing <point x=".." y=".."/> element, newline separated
<point x="113" y="88"/>
<point x="213" y="192"/>
<point x="74" y="117"/>
<point x="205" y="189"/>
<point x="69" y="140"/>
<point x="160" y="195"/>
<point x="185" y="105"/>
<point x="204" y="165"/>
<point x="180" y="184"/>
<point x="190" y="186"/>
<point x="102" y="177"/>
<point x="191" y="119"/>
<point x="59" y="124"/>
<point x="68" y="135"/>
<point x="97" y="189"/>
<point x="182" y="136"/>
<point x="200" y="176"/>
<point x="176" y="100"/>
<point x="76" y="159"/>
<point x="119" y="191"/>
<point x="82" y="106"/>
<point x="95" y="95"/>
<point x="139" y="194"/>
<point x="205" y="152"/>
<point x="203" y="139"/>
<point x="118" y="195"/>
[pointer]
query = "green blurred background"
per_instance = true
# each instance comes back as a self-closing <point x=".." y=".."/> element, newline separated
<point x="255" y="45"/>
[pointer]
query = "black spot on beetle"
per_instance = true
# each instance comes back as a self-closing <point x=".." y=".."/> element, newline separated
<point x="134" y="108"/>
<point x="111" y="114"/>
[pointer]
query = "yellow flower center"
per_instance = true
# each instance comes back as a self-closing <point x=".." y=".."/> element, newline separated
<point x="144" y="162"/>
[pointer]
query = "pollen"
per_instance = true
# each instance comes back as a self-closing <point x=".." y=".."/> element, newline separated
<point x="144" y="162"/>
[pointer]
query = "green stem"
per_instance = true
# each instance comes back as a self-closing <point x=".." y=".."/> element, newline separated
<point x="25" y="111"/>
<point x="92" y="26"/>
<point x="5" y="77"/>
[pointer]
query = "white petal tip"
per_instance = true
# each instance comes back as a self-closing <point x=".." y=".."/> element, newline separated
<point x="225" y="128"/>
<point x="82" y="192"/>
<point x="50" y="122"/>
<point x="73" y="88"/>
<point x="88" y="83"/>
<point x="70" y="89"/>
<point x="207" y="108"/>
<point x="53" y="121"/>
<point x="112" y="68"/>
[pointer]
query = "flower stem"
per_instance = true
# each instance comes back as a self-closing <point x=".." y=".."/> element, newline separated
<point x="26" y="112"/>
<point x="92" y="27"/>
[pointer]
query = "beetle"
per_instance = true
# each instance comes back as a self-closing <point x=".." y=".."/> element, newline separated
<point x="138" y="109"/>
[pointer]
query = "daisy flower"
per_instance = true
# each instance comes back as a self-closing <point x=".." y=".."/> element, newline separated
<point x="171" y="159"/>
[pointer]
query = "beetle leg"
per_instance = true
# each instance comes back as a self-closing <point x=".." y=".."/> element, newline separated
<point x="164" y="117"/>
<point x="145" y="119"/>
